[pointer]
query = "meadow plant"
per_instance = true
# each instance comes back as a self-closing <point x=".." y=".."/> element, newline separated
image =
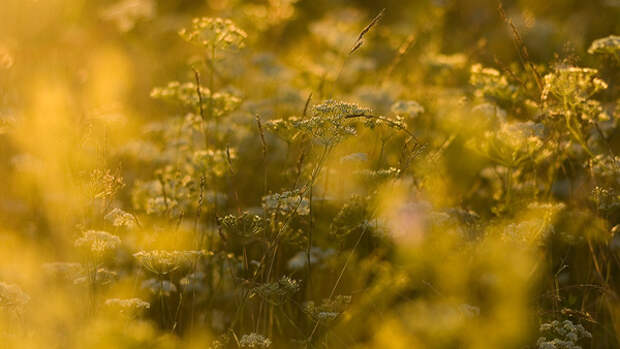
<point x="293" y="174"/>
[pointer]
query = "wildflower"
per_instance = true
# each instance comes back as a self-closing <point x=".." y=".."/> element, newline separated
<point x="120" y="218"/>
<point x="282" y="288"/>
<point x="185" y="94"/>
<point x="329" y="309"/>
<point x="326" y="315"/>
<point x="254" y="340"/>
<point x="246" y="225"/>
<point x="351" y="218"/>
<point x="213" y="161"/>
<point x="329" y="123"/>
<point x="606" y="199"/>
<point x="378" y="175"/>
<point x="512" y="143"/>
<point x="339" y="109"/>
<point x="527" y="231"/>
<point x="98" y="242"/>
<point x="492" y="84"/>
<point x="214" y="32"/>
<point x="572" y="84"/>
<point x="104" y="184"/>
<point x="606" y="166"/>
<point x="128" y="306"/>
<point x="564" y="335"/>
<point x="284" y="128"/>
<point x="287" y="202"/>
<point x="163" y="262"/>
<point x="483" y="71"/>
<point x="609" y="45"/>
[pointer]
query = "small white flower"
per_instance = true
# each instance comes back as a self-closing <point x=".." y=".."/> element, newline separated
<point x="98" y="242"/>
<point x="254" y="340"/>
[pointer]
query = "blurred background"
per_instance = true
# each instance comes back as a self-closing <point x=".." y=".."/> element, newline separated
<point x="80" y="135"/>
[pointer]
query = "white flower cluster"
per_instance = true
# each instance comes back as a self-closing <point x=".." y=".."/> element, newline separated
<point x="490" y="82"/>
<point x="282" y="288"/>
<point x="98" y="242"/>
<point x="329" y="309"/>
<point x="128" y="306"/>
<point x="245" y="225"/>
<point x="527" y="231"/>
<point x="214" y="32"/>
<point x="120" y="218"/>
<point x="327" y="126"/>
<point x="104" y="183"/>
<point x="339" y="109"/>
<point x="606" y="199"/>
<point x="287" y="202"/>
<point x="535" y="229"/>
<point x="566" y="335"/>
<point x="512" y="143"/>
<point x="572" y="83"/>
<point x="186" y="94"/>
<point x="378" y="175"/>
<point x="213" y="161"/>
<point x="182" y="92"/>
<point x="254" y="340"/>
<point x="609" y="45"/>
<point x="285" y="129"/>
<point x="607" y="166"/>
<point x="163" y="262"/>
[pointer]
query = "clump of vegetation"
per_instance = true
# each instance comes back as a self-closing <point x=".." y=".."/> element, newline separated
<point x="287" y="173"/>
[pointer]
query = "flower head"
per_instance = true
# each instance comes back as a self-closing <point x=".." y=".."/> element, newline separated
<point x="98" y="242"/>
<point x="215" y="32"/>
<point x="128" y="306"/>
<point x="609" y="45"/>
<point x="163" y="262"/>
<point x="254" y="340"/>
